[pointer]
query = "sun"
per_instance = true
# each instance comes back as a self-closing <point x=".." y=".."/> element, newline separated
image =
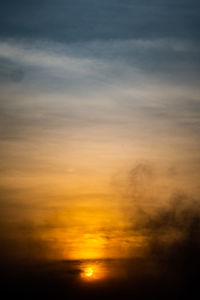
<point x="89" y="272"/>
<point x="92" y="271"/>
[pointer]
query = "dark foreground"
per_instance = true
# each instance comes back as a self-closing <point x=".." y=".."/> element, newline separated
<point x="121" y="279"/>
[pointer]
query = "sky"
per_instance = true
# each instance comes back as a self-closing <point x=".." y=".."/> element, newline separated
<point x="100" y="123"/>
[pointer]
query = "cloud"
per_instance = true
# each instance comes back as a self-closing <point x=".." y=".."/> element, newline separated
<point x="127" y="94"/>
<point x="74" y="21"/>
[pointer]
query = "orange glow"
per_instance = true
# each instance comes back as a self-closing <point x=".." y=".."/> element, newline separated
<point x="87" y="246"/>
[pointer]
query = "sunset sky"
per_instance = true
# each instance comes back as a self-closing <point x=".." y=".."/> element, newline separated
<point x="100" y="123"/>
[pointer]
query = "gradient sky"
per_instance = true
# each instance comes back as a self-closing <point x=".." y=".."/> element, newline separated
<point x="100" y="117"/>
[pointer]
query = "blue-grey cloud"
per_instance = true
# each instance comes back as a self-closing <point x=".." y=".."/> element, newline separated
<point x="114" y="83"/>
<point x="84" y="20"/>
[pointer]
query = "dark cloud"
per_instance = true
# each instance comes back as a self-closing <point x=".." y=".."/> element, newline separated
<point x="83" y="20"/>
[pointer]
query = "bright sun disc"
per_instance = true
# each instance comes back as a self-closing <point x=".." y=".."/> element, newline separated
<point x="89" y="272"/>
<point x="92" y="271"/>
